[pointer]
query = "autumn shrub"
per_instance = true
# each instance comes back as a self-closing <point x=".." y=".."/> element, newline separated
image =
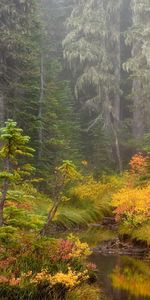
<point x="139" y="164"/>
<point x="33" y="264"/>
<point x="96" y="194"/>
<point x="132" y="205"/>
<point x="138" y="174"/>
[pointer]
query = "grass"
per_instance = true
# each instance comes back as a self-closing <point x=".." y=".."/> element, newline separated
<point x="72" y="217"/>
<point x="27" y="209"/>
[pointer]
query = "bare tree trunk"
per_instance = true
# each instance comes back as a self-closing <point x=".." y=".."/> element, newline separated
<point x="138" y="118"/>
<point x="41" y="107"/>
<point x="112" y="126"/>
<point x="3" y="199"/>
<point x="117" y="68"/>
<point x="117" y="146"/>
<point x="58" y="188"/>
<point x="138" y="101"/>
<point x="50" y="218"/>
<point x="2" y="113"/>
<point x="116" y="103"/>
<point x="4" y="192"/>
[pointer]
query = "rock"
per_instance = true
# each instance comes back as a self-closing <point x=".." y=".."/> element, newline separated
<point x="116" y="247"/>
<point x="108" y="221"/>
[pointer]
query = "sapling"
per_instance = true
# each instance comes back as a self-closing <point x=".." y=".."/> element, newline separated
<point x="13" y="145"/>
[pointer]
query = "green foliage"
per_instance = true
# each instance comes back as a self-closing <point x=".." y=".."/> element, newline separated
<point x="72" y="218"/>
<point x="13" y="150"/>
<point x="9" y="235"/>
<point x="18" y="217"/>
<point x="14" y="146"/>
<point x="14" y="142"/>
<point x="138" y="65"/>
<point x="93" y="34"/>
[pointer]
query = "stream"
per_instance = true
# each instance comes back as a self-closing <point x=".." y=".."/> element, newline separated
<point x="119" y="277"/>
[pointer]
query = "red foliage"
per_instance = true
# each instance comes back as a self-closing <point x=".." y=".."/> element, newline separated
<point x="64" y="250"/>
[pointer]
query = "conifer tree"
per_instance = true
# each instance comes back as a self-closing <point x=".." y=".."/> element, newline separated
<point x="14" y="144"/>
<point x="92" y="50"/>
<point x="138" y="66"/>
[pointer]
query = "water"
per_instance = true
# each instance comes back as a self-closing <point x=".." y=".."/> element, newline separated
<point x="119" y="277"/>
<point x="123" y="278"/>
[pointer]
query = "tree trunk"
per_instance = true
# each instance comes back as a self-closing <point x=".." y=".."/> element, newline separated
<point x="2" y="113"/>
<point x="41" y="107"/>
<point x="117" y="146"/>
<point x="50" y="218"/>
<point x="138" y="119"/>
<point x="3" y="199"/>
<point x="4" y="192"/>
<point x="117" y="68"/>
<point x="138" y="101"/>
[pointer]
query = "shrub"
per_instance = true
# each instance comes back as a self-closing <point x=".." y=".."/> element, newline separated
<point x="96" y="193"/>
<point x="44" y="263"/>
<point x="132" y="205"/>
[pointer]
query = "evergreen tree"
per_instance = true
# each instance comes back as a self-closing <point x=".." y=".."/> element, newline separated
<point x="19" y="82"/>
<point x="138" y="36"/>
<point x="13" y="146"/>
<point x="92" y="50"/>
<point x="58" y="125"/>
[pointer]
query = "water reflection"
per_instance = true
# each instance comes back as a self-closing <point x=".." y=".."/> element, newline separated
<point x="123" y="278"/>
<point x="94" y="236"/>
<point x="133" y="276"/>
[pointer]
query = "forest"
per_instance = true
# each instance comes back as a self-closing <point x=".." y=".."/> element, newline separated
<point x="74" y="149"/>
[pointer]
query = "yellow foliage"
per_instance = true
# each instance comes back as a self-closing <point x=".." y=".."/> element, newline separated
<point x="90" y="189"/>
<point x="132" y="203"/>
<point x="80" y="249"/>
<point x="98" y="192"/>
<point x="68" y="171"/>
<point x="70" y="279"/>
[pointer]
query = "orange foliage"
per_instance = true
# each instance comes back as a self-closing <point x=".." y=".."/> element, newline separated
<point x="139" y="164"/>
<point x="12" y="281"/>
<point x="3" y="279"/>
<point x="27" y="206"/>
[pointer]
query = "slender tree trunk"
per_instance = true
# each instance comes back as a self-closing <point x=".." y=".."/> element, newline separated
<point x="4" y="192"/>
<point x="138" y="119"/>
<point x="2" y="112"/>
<point x="117" y="146"/>
<point x="138" y="101"/>
<point x="116" y="104"/>
<point x="112" y="126"/>
<point x="41" y="107"/>
<point x="3" y="199"/>
<point x="117" y="69"/>
<point x="50" y="218"/>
